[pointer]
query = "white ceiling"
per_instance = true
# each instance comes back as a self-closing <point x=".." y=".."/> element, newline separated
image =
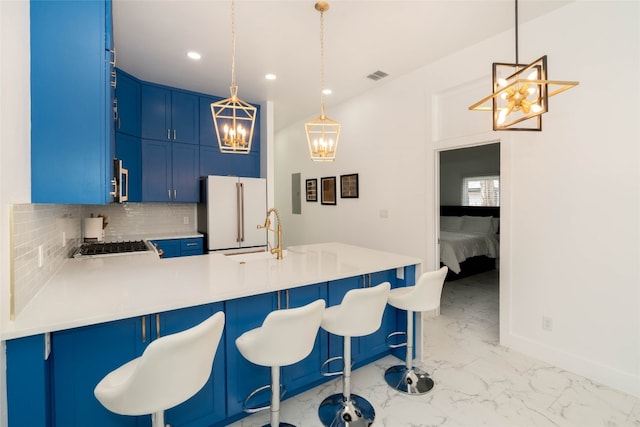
<point x="153" y="37"/>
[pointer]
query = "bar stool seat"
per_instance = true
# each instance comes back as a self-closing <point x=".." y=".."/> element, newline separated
<point x="170" y="371"/>
<point x="424" y="296"/>
<point x="285" y="337"/>
<point x="359" y="314"/>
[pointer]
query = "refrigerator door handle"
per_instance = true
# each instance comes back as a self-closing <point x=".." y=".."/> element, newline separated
<point x="240" y="201"/>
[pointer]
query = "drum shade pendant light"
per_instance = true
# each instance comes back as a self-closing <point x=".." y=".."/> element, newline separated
<point x="322" y="133"/>
<point x="520" y="92"/>
<point x="233" y="118"/>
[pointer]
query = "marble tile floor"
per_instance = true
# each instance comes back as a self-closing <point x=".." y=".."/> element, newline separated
<point x="478" y="382"/>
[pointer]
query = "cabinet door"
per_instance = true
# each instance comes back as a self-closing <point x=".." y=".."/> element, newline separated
<point x="129" y="150"/>
<point x="28" y="382"/>
<point x="186" y="180"/>
<point x="306" y="373"/>
<point x="336" y="290"/>
<point x="184" y="117"/>
<point x="192" y="246"/>
<point x="170" y="247"/>
<point x="81" y="358"/>
<point x="207" y="129"/>
<point x="156" y="171"/>
<point x="243" y="376"/>
<point x="208" y="406"/>
<point x="213" y="162"/>
<point x="71" y="123"/>
<point x="374" y="345"/>
<point x="128" y="104"/>
<point x="156" y="112"/>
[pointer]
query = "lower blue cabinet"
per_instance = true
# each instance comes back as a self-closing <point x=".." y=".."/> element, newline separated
<point x="83" y="356"/>
<point x="28" y="382"/>
<point x="180" y="247"/>
<point x="243" y="377"/>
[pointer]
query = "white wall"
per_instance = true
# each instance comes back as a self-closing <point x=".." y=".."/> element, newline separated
<point x="570" y="196"/>
<point x="15" y="178"/>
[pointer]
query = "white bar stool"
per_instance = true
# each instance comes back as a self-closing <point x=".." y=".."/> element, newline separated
<point x="170" y="371"/>
<point x="424" y="296"/>
<point x="359" y="314"/>
<point x="285" y="337"/>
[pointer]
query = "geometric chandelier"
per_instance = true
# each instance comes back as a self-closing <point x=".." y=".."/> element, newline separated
<point x="322" y="132"/>
<point x="520" y="93"/>
<point x="233" y="118"/>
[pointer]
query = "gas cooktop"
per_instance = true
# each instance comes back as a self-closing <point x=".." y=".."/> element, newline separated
<point x="96" y="249"/>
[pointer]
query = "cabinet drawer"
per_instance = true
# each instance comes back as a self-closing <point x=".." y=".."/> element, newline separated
<point x="191" y="245"/>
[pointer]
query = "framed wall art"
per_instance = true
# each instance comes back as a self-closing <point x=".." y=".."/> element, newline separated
<point x="328" y="188"/>
<point x="349" y="186"/>
<point x="312" y="190"/>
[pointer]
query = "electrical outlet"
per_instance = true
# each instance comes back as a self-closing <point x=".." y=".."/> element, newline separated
<point x="547" y="323"/>
<point x="185" y="220"/>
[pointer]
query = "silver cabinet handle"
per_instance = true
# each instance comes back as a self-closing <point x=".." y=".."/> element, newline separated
<point x="169" y="134"/>
<point x="169" y="194"/>
<point x="174" y="134"/>
<point x="286" y="294"/>
<point x="157" y="326"/>
<point x="192" y="244"/>
<point x="278" y="297"/>
<point x="144" y="328"/>
<point x="175" y="194"/>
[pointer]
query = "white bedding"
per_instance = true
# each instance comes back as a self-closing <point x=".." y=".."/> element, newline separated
<point x="456" y="247"/>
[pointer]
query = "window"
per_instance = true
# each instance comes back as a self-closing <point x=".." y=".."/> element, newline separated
<point x="481" y="191"/>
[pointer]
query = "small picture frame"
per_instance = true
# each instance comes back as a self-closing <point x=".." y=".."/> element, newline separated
<point x="328" y="188"/>
<point x="312" y="189"/>
<point x="349" y="186"/>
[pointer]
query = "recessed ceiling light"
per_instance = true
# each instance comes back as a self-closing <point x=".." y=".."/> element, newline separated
<point x="327" y="91"/>
<point x="270" y="76"/>
<point x="194" y="55"/>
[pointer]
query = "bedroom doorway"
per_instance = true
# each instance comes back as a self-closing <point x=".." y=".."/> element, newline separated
<point x="468" y="232"/>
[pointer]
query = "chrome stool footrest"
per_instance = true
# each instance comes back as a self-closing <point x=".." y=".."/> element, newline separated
<point x="409" y="381"/>
<point x="256" y="391"/>
<point x="335" y="411"/>
<point x="335" y="373"/>
<point x="395" y="334"/>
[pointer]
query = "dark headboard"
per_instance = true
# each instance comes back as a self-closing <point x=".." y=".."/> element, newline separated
<point x="493" y="211"/>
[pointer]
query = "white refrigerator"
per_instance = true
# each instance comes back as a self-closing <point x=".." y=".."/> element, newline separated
<point x="230" y="210"/>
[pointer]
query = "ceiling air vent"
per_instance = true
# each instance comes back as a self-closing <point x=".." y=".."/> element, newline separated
<point x="377" y="75"/>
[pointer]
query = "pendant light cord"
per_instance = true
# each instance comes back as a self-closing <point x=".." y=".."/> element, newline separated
<point x="233" y="46"/>
<point x="517" y="61"/>
<point x="322" y="63"/>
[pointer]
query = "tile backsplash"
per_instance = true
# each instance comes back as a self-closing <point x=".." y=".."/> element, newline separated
<point x="44" y="236"/>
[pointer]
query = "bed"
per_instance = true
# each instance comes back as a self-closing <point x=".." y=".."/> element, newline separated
<point x="469" y="239"/>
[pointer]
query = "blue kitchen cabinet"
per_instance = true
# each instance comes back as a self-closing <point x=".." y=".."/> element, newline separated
<point x="244" y="314"/>
<point x="305" y="374"/>
<point x="208" y="406"/>
<point x="83" y="356"/>
<point x="169" y="115"/>
<point x="28" y="382"/>
<point x="156" y="171"/>
<point x="127" y="104"/>
<point x="169" y="171"/>
<point x="72" y="129"/>
<point x="129" y="150"/>
<point x="184" y="173"/>
<point x="180" y="247"/>
<point x="207" y="128"/>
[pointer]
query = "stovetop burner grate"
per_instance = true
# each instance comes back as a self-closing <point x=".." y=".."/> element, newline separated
<point x="106" y="248"/>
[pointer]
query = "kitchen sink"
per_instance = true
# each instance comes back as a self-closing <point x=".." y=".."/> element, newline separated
<point x="253" y="256"/>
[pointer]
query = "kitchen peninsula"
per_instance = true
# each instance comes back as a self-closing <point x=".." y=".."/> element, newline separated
<point x="102" y="312"/>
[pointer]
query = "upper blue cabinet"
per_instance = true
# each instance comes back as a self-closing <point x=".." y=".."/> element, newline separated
<point x="127" y="104"/>
<point x="72" y="72"/>
<point x="169" y="115"/>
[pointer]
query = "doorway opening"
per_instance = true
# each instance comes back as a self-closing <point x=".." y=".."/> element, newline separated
<point x="468" y="232"/>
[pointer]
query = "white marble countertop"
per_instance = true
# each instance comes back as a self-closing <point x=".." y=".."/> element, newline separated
<point x="90" y="291"/>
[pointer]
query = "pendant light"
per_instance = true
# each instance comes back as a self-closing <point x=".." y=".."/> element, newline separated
<point x="233" y="118"/>
<point x="322" y="133"/>
<point x="520" y="92"/>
